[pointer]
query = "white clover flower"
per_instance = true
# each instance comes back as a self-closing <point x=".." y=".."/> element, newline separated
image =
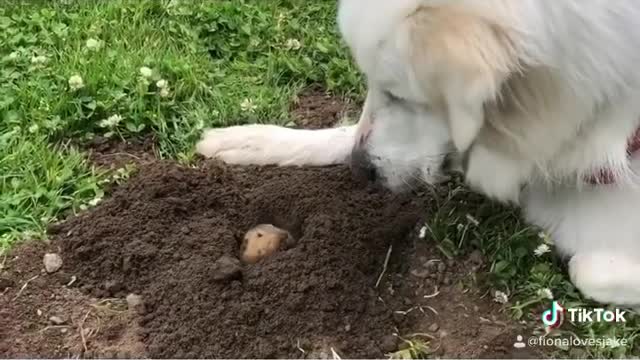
<point x="541" y="250"/>
<point x="293" y="44"/>
<point x="500" y="297"/>
<point x="146" y="72"/>
<point x="40" y="59"/>
<point x="34" y="128"/>
<point x="93" y="44"/>
<point x="248" y="105"/>
<point x="164" y="92"/>
<point x="95" y="201"/>
<point x="545" y="293"/>
<point x="545" y="237"/>
<point x="111" y="122"/>
<point x="423" y="232"/>
<point x="76" y="82"/>
<point x="162" y="83"/>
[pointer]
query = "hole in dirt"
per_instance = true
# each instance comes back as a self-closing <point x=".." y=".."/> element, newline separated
<point x="288" y="221"/>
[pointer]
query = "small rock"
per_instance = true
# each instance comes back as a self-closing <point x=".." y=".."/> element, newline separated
<point x="442" y="334"/>
<point x="64" y="330"/>
<point x="442" y="267"/>
<point x="52" y="262"/>
<point x="6" y="283"/>
<point x="134" y="301"/>
<point x="434" y="327"/>
<point x="347" y="327"/>
<point x="389" y="344"/>
<point x="423" y="273"/>
<point x="226" y="268"/>
<point x="39" y="312"/>
<point x="57" y="320"/>
<point x="185" y="230"/>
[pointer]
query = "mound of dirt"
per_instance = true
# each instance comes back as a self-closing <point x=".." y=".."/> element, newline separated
<point x="153" y="271"/>
<point x="161" y="235"/>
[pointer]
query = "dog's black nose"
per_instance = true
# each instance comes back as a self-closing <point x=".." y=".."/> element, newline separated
<point x="361" y="167"/>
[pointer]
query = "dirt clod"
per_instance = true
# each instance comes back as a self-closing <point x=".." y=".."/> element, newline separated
<point x="57" y="320"/>
<point x="52" y="262"/>
<point x="133" y="300"/>
<point x="6" y="283"/>
<point x="226" y="268"/>
<point x="389" y="344"/>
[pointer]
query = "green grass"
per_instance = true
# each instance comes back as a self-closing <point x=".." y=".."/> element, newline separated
<point x="71" y="70"/>
<point x="463" y="221"/>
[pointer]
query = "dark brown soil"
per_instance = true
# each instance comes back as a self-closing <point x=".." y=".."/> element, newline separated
<point x="161" y="234"/>
<point x="113" y="154"/>
<point x="33" y="297"/>
<point x="315" y="109"/>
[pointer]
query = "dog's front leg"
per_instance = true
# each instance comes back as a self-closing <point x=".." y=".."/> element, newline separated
<point x="608" y="277"/>
<point x="497" y="175"/>
<point x="277" y="145"/>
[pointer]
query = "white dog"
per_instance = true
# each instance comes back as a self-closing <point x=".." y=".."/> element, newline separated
<point x="539" y="100"/>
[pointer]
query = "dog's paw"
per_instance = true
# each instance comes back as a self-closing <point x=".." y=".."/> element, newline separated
<point x="240" y="145"/>
<point x="276" y="145"/>
<point x="609" y="278"/>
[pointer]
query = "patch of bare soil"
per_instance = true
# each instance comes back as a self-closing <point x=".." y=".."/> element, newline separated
<point x="315" y="109"/>
<point x="46" y="315"/>
<point x="114" y="154"/>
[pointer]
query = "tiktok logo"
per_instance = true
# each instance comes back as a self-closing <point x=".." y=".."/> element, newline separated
<point x="553" y="317"/>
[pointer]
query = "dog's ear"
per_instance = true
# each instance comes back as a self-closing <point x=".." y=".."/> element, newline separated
<point x="463" y="59"/>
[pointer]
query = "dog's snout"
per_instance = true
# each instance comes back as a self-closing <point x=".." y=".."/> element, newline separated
<point x="361" y="167"/>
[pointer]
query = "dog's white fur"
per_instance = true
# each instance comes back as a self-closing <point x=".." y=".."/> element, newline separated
<point x="536" y="94"/>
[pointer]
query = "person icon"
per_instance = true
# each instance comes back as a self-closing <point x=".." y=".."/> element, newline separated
<point x="519" y="344"/>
